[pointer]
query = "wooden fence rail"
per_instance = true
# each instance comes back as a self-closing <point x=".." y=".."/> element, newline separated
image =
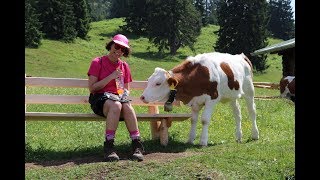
<point x="267" y="85"/>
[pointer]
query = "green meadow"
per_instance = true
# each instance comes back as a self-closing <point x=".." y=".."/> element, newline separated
<point x="73" y="150"/>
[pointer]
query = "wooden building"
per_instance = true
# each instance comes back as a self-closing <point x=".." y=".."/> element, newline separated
<point x="286" y="49"/>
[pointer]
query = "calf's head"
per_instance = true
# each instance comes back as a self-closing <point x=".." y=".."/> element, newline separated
<point x="158" y="86"/>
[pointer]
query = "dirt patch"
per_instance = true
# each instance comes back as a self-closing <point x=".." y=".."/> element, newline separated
<point x="165" y="157"/>
<point x="156" y="156"/>
<point x="63" y="163"/>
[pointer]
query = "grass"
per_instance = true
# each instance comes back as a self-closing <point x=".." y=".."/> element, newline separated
<point x="59" y="59"/>
<point x="57" y="145"/>
<point x="271" y="157"/>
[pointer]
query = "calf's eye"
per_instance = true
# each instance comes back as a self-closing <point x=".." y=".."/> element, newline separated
<point x="158" y="84"/>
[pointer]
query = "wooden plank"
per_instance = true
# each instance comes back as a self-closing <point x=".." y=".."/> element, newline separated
<point x="56" y="82"/>
<point x="55" y="116"/>
<point x="71" y="82"/>
<point x="138" y="85"/>
<point x="79" y="99"/>
<point x="55" y="99"/>
<point x="267" y="97"/>
<point x="264" y="86"/>
<point x="83" y="83"/>
<point x="265" y="83"/>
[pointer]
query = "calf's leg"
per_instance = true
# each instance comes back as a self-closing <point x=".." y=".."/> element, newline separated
<point x="205" y="120"/>
<point x="252" y="113"/>
<point x="194" y="119"/>
<point x="237" y="115"/>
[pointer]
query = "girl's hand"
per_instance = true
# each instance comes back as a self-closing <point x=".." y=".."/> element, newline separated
<point x="116" y="74"/>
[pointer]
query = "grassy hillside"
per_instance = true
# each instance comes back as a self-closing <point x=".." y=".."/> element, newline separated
<point x="58" y="59"/>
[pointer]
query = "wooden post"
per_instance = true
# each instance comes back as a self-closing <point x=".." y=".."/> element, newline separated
<point x="164" y="136"/>
<point x="154" y="125"/>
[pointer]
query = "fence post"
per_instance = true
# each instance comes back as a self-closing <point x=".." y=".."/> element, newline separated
<point x="154" y="125"/>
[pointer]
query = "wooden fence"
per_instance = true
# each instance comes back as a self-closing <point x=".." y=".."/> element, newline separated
<point x="267" y="85"/>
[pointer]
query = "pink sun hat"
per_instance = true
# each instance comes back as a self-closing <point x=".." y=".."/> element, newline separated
<point x="121" y="40"/>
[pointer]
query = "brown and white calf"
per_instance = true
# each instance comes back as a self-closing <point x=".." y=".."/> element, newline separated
<point x="203" y="81"/>
<point x="287" y="87"/>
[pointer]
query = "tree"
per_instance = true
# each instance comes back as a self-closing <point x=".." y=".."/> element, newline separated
<point x="207" y="9"/>
<point x="119" y="8"/>
<point x="212" y="11"/>
<point x="173" y="24"/>
<point x="58" y="20"/>
<point x="201" y="7"/>
<point x="99" y="9"/>
<point x="33" y="35"/>
<point x="136" y="21"/>
<point x="82" y="17"/>
<point x="281" y="23"/>
<point x="243" y="29"/>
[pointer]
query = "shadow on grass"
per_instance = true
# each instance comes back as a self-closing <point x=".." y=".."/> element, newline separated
<point x="152" y="56"/>
<point x="47" y="157"/>
<point x="160" y="57"/>
<point x="130" y="36"/>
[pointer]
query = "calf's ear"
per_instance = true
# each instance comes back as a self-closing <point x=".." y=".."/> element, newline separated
<point x="172" y="82"/>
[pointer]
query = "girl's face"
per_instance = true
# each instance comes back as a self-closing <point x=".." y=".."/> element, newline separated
<point x="117" y="50"/>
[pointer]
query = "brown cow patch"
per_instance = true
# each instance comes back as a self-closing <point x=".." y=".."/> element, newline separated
<point x="232" y="83"/>
<point x="291" y="86"/>
<point x="248" y="61"/>
<point x="283" y="84"/>
<point x="193" y="80"/>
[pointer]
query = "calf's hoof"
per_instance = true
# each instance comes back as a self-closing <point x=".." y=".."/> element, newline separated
<point x="190" y="142"/>
<point x="255" y="138"/>
<point x="203" y="144"/>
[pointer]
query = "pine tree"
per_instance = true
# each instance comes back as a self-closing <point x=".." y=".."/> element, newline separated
<point x="173" y="24"/>
<point x="99" y="9"/>
<point x="201" y="7"/>
<point x="212" y="11"/>
<point x="207" y="9"/>
<point x="82" y="17"/>
<point x="281" y="23"/>
<point x="58" y="19"/>
<point x="33" y="35"/>
<point x="136" y="21"/>
<point x="119" y="8"/>
<point x="243" y="29"/>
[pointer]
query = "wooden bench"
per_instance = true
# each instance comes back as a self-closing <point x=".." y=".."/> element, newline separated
<point x="159" y="123"/>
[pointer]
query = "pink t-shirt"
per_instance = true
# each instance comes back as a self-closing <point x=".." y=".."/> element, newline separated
<point x="104" y="68"/>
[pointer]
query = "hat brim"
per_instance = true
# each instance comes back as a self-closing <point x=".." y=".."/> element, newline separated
<point x="121" y="43"/>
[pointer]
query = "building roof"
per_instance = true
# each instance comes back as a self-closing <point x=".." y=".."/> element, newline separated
<point x="275" y="47"/>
